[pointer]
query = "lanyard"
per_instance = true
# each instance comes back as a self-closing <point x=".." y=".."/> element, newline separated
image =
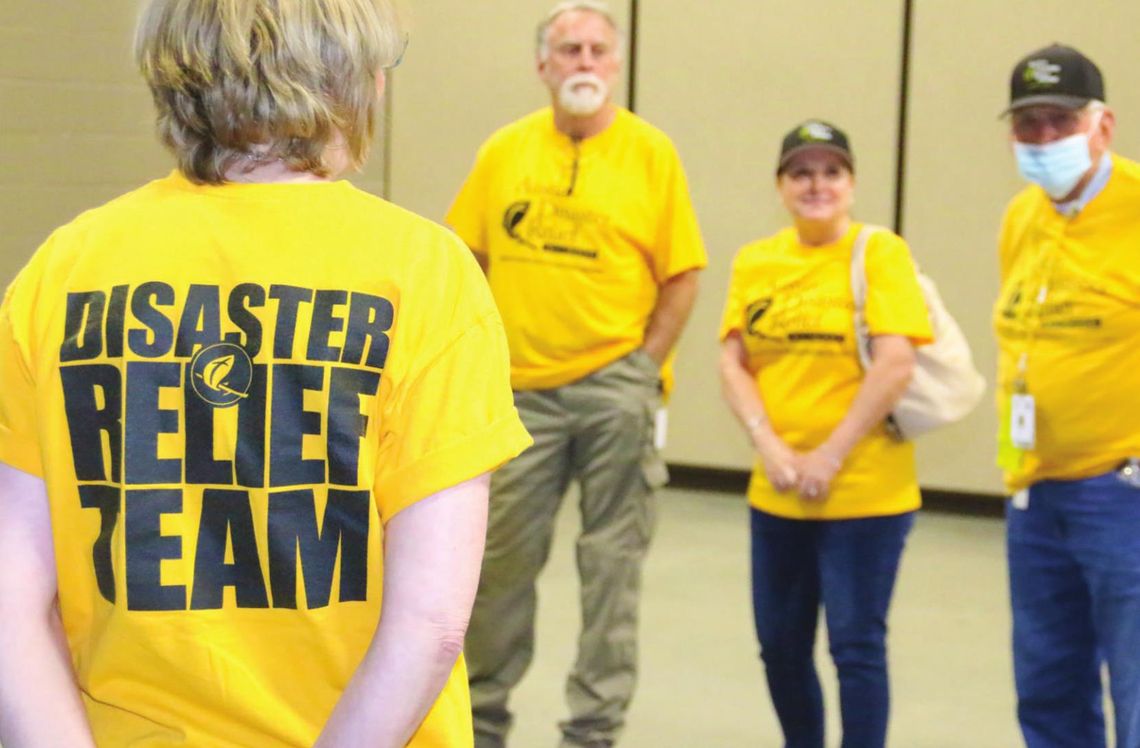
<point x="1046" y="262"/>
<point x="1068" y="211"/>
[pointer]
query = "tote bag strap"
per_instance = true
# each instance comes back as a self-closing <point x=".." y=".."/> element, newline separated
<point x="859" y="292"/>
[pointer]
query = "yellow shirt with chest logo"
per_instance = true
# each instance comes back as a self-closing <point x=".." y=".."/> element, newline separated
<point x="229" y="391"/>
<point x="1070" y="304"/>
<point x="579" y="235"/>
<point x="793" y="307"/>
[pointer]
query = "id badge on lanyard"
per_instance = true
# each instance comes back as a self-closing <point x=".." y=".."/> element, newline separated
<point x="1022" y="408"/>
<point x="1022" y="421"/>
<point x="1017" y="431"/>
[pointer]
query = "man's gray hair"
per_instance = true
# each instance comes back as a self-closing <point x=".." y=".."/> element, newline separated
<point x="542" y="46"/>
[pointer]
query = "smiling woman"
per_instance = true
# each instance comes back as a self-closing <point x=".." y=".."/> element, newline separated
<point x="833" y="494"/>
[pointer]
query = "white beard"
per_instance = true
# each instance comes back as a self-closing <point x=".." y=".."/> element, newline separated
<point x="583" y="94"/>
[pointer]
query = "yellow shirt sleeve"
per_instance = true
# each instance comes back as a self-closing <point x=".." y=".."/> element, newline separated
<point x="468" y="213"/>
<point x="731" y="318"/>
<point x="449" y="414"/>
<point x="1006" y="243"/>
<point x="19" y="438"/>
<point x="679" y="246"/>
<point x="895" y="305"/>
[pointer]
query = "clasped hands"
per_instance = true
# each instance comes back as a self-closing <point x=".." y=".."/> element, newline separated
<point x="808" y="473"/>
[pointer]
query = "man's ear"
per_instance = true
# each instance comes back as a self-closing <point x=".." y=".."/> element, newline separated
<point x="1107" y="126"/>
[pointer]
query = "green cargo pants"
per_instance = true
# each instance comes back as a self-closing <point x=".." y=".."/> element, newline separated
<point x="598" y="431"/>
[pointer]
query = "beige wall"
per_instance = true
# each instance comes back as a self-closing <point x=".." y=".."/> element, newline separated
<point x="725" y="79"/>
<point x="74" y="121"/>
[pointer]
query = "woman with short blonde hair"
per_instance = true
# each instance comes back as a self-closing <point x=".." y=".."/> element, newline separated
<point x="247" y="417"/>
<point x="239" y="83"/>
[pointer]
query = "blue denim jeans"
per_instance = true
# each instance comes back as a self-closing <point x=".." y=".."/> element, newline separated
<point x="1074" y="577"/>
<point x="849" y="567"/>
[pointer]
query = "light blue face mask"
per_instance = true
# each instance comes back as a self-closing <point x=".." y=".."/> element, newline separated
<point x="1056" y="166"/>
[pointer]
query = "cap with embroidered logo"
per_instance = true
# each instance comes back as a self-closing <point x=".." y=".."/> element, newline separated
<point x="1056" y="75"/>
<point x="815" y="133"/>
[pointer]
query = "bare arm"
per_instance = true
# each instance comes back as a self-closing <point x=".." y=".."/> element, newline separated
<point x="892" y="363"/>
<point x="739" y="389"/>
<point x="39" y="700"/>
<point x="432" y="555"/>
<point x="674" y="303"/>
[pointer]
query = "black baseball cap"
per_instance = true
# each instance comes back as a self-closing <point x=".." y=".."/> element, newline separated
<point x="1057" y="75"/>
<point x="815" y="133"/>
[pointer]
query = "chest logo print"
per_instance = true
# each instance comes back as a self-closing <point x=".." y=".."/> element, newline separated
<point x="222" y="374"/>
<point x="754" y="313"/>
<point x="513" y="216"/>
<point x="557" y="228"/>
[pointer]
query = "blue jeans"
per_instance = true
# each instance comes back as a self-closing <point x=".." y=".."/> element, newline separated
<point x="848" y="566"/>
<point x="1074" y="577"/>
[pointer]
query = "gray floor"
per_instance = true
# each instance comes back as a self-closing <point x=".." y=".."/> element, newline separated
<point x="702" y="685"/>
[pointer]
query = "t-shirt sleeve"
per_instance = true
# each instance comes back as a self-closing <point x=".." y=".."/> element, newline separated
<point x="448" y="413"/>
<point x="1005" y="245"/>
<point x="19" y="436"/>
<point x="467" y="215"/>
<point x="732" y="317"/>
<point x="679" y="243"/>
<point x="895" y="304"/>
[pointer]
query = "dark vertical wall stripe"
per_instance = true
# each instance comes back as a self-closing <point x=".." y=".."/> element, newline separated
<point x="904" y="89"/>
<point x="631" y="55"/>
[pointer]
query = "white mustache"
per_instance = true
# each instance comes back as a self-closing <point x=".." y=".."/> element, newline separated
<point x="583" y="94"/>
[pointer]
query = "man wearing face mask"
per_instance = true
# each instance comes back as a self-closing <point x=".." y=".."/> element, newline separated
<point x="1068" y="328"/>
<point x="581" y="216"/>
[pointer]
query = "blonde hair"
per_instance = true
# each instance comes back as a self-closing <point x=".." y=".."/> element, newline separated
<point x="265" y="80"/>
<point x="542" y="43"/>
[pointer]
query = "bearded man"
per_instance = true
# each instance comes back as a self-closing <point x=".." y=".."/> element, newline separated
<point x="580" y="215"/>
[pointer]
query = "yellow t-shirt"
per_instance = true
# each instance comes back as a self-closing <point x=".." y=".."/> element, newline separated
<point x="1082" y="343"/>
<point x="793" y="307"/>
<point x="229" y="391"/>
<point x="579" y="235"/>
